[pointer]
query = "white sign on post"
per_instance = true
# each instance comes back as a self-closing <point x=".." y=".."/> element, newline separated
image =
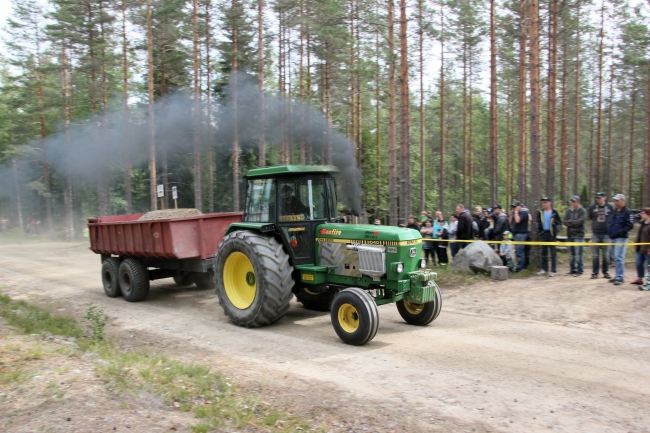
<point x="174" y="193"/>
<point x="160" y="189"/>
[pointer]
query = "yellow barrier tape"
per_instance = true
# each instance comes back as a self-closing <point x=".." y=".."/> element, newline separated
<point x="566" y="244"/>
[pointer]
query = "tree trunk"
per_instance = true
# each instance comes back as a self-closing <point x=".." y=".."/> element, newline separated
<point x="599" y="120"/>
<point x="152" y="133"/>
<point x="377" y="129"/>
<point x="198" y="168"/>
<point x="465" y="170"/>
<point x="632" y="140"/>
<point x="235" y="137"/>
<point x="208" y="95"/>
<point x="68" y="196"/>
<point x="646" y="166"/>
<point x="578" y="107"/>
<point x="494" y="138"/>
<point x="522" y="189"/>
<point x="551" y="117"/>
<point x="564" y="133"/>
<point x="535" y="119"/>
<point x="609" y="180"/>
<point x="442" y="169"/>
<point x="392" y="132"/>
<point x="125" y="106"/>
<point x="260" y="82"/>
<point x="19" y="203"/>
<point x="421" y="70"/>
<point x="405" y="154"/>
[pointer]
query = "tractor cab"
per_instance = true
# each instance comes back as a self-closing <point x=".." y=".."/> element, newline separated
<point x="292" y="200"/>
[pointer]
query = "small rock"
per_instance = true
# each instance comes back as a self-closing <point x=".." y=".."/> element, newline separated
<point x="177" y="404"/>
<point x="68" y="419"/>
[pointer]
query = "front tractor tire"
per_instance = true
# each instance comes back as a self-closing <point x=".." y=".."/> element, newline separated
<point x="134" y="280"/>
<point x="253" y="278"/>
<point x="354" y="316"/>
<point x="420" y="314"/>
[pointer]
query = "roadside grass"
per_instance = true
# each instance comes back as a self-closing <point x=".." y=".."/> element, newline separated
<point x="188" y="387"/>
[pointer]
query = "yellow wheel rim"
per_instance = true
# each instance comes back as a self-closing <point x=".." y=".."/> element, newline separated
<point x="413" y="308"/>
<point x="348" y="318"/>
<point x="239" y="280"/>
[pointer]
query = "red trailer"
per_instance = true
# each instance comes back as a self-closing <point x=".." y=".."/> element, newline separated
<point x="135" y="251"/>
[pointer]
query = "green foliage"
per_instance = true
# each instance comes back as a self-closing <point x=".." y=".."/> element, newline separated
<point x="95" y="315"/>
<point x="36" y="320"/>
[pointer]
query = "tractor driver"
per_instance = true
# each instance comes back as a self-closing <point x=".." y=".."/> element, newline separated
<point x="289" y="204"/>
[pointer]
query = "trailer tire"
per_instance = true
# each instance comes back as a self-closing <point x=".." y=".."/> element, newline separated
<point x="253" y="278"/>
<point x="134" y="280"/>
<point x="354" y="316"/>
<point x="320" y="298"/>
<point x="110" y="280"/>
<point x="184" y="279"/>
<point x="420" y="314"/>
<point x="205" y="280"/>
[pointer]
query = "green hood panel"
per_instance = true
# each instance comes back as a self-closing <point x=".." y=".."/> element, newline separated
<point x="367" y="234"/>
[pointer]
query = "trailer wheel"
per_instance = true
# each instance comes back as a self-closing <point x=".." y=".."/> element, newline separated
<point x="184" y="279"/>
<point x="134" y="280"/>
<point x="110" y="269"/>
<point x="354" y="316"/>
<point x="253" y="278"/>
<point x="205" y="280"/>
<point x="420" y="314"/>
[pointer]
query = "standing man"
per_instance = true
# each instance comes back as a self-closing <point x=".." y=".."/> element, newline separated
<point x="574" y="219"/>
<point x="465" y="231"/>
<point x="549" y="225"/>
<point x="600" y="213"/>
<point x="519" y="228"/>
<point x="412" y="224"/>
<point x="619" y="226"/>
<point x="480" y="218"/>
<point x="500" y="223"/>
<point x="441" y="231"/>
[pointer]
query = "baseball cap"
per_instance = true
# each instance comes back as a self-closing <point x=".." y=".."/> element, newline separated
<point x="515" y="204"/>
<point x="619" y="197"/>
<point x="545" y="198"/>
<point x="496" y="206"/>
<point x="506" y="232"/>
<point x="575" y="198"/>
<point x="601" y="194"/>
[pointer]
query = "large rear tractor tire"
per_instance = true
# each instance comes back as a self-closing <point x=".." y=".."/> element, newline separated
<point x="420" y="314"/>
<point x="134" y="280"/>
<point x="253" y="278"/>
<point x="354" y="316"/>
<point x="184" y="279"/>
<point x="110" y="280"/>
<point x="320" y="298"/>
<point x="205" y="280"/>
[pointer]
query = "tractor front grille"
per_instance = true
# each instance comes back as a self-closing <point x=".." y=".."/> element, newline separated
<point x="372" y="263"/>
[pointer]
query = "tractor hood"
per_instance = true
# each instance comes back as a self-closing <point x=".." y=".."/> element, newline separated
<point x="367" y="234"/>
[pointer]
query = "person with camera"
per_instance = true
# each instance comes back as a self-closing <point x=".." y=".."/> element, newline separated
<point x="619" y="226"/>
<point x="600" y="212"/>
<point x="441" y="231"/>
<point x="549" y="225"/>
<point x="643" y="251"/>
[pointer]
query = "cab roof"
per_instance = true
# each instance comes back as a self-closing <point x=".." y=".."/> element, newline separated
<point x="290" y="169"/>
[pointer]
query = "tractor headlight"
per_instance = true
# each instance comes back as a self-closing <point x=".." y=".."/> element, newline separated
<point x="423" y="263"/>
<point x="399" y="268"/>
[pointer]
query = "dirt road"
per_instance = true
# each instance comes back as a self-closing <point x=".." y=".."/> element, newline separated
<point x="562" y="354"/>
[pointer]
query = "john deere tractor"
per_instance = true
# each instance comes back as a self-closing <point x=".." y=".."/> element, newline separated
<point x="292" y="242"/>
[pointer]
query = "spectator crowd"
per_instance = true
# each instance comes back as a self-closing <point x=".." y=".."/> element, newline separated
<point x="610" y="224"/>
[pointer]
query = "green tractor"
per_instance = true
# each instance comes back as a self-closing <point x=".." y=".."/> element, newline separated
<point x="291" y="242"/>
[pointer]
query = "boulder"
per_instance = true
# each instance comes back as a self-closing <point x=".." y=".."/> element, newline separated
<point x="476" y="257"/>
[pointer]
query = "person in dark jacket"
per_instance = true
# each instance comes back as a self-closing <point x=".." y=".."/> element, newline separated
<point x="464" y="226"/>
<point x="549" y="224"/>
<point x="500" y="222"/>
<point x="599" y="213"/>
<point x="482" y="223"/>
<point x="574" y="219"/>
<point x="642" y="251"/>
<point x="618" y="228"/>
<point x="519" y="228"/>
<point x="412" y="224"/>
